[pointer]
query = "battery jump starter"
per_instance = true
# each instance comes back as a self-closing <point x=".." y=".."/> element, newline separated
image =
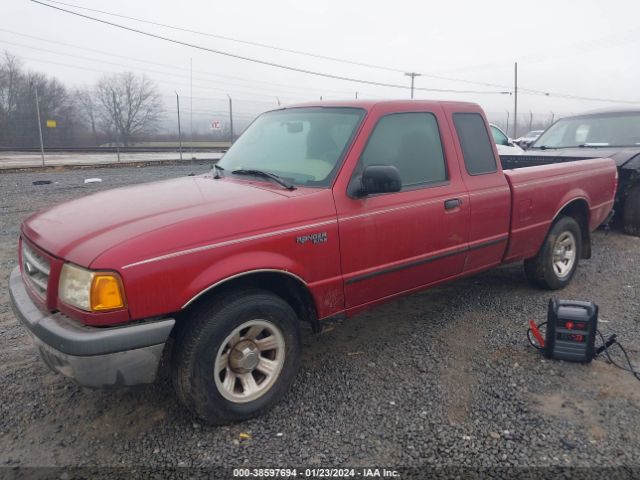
<point x="571" y="330"/>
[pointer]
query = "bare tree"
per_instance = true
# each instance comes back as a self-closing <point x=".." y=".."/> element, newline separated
<point x="128" y="105"/>
<point x="88" y="109"/>
<point x="10" y="80"/>
<point x="18" y="119"/>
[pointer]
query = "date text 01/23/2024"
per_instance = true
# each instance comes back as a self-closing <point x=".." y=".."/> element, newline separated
<point x="315" y="473"/>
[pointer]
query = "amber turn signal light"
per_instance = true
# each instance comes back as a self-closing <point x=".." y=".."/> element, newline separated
<point x="106" y="292"/>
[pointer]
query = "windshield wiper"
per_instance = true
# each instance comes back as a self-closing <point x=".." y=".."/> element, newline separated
<point x="261" y="173"/>
<point x="219" y="170"/>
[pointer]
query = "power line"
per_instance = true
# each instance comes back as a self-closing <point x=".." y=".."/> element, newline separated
<point x="231" y="39"/>
<point x="310" y="72"/>
<point x="164" y="65"/>
<point x="272" y="47"/>
<point x="242" y="88"/>
<point x="173" y="84"/>
<point x="80" y="57"/>
<point x="255" y="60"/>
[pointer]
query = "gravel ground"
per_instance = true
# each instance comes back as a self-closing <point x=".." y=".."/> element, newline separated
<point x="441" y="378"/>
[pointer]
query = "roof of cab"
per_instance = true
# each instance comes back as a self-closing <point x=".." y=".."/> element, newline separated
<point x="369" y="104"/>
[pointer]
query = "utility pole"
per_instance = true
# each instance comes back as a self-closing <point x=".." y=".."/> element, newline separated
<point x="530" y="119"/>
<point x="515" y="103"/>
<point x="191" y="102"/>
<point x="413" y="76"/>
<point x="39" y="124"/>
<point x="230" y="117"/>
<point x="278" y="100"/>
<point x="356" y="95"/>
<point x="115" y="122"/>
<point x="179" y="129"/>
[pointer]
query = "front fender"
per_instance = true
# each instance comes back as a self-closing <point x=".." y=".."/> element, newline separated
<point x="237" y="265"/>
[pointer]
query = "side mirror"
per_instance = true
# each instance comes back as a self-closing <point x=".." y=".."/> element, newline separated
<point x="378" y="179"/>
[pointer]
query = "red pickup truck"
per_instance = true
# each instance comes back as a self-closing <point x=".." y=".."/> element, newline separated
<point x="317" y="211"/>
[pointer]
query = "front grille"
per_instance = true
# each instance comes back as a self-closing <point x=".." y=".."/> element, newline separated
<point x="36" y="269"/>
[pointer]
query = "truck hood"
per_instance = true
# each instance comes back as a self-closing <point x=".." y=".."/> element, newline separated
<point x="621" y="155"/>
<point x="82" y="229"/>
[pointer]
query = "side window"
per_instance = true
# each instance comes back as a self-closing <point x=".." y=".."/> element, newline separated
<point x="411" y="143"/>
<point x="476" y="146"/>
<point x="499" y="138"/>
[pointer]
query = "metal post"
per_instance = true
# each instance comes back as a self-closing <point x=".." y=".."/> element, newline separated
<point x="230" y="118"/>
<point x="39" y="124"/>
<point x="115" y="122"/>
<point x="530" y="119"/>
<point x="191" y="102"/>
<point x="278" y="100"/>
<point x="179" y="129"/>
<point x="413" y="76"/>
<point x="515" y="103"/>
<point x="356" y="95"/>
<point x="507" y="128"/>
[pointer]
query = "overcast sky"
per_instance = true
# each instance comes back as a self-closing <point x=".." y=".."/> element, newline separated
<point x="587" y="48"/>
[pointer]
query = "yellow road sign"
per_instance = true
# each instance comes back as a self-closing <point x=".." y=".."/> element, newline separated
<point x="52" y="124"/>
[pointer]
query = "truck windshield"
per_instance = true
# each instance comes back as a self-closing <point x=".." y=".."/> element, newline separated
<point x="303" y="146"/>
<point x="621" y="129"/>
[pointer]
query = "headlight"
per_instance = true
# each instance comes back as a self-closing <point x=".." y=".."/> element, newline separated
<point x="90" y="291"/>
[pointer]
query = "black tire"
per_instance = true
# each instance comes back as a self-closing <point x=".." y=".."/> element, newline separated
<point x="540" y="269"/>
<point x="199" y="342"/>
<point x="631" y="216"/>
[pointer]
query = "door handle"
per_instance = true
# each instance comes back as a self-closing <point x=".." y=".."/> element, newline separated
<point x="452" y="203"/>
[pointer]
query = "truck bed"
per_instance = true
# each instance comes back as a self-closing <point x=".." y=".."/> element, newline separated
<point x="537" y="191"/>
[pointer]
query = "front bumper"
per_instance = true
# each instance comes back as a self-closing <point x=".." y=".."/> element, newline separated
<point x="93" y="357"/>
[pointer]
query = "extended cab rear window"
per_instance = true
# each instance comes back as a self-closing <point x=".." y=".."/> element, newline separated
<point x="411" y="143"/>
<point x="476" y="146"/>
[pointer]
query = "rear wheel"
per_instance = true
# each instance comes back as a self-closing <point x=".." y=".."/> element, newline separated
<point x="237" y="357"/>
<point x="632" y="212"/>
<point x="556" y="262"/>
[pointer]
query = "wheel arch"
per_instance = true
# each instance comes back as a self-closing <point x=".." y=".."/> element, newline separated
<point x="289" y="286"/>
<point x="578" y="209"/>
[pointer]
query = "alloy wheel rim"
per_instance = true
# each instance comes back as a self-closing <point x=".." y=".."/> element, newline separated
<point x="249" y="361"/>
<point x="564" y="254"/>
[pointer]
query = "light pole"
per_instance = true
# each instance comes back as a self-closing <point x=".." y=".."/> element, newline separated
<point x="413" y="75"/>
<point x="39" y="123"/>
<point x="179" y="129"/>
<point x="230" y="117"/>
<point x="191" y="105"/>
<point x="515" y="101"/>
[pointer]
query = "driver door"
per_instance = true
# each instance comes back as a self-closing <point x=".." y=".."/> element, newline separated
<point x="396" y="242"/>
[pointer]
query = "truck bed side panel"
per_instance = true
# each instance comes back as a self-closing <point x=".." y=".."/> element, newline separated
<point x="540" y="193"/>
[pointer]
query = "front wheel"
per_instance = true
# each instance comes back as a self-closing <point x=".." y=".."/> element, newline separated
<point x="237" y="357"/>
<point x="556" y="262"/>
